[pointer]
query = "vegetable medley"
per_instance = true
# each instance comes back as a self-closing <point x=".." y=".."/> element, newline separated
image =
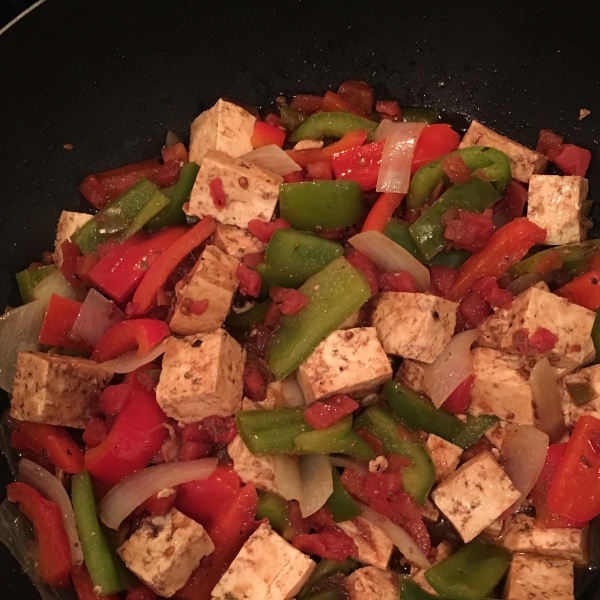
<point x="329" y="351"/>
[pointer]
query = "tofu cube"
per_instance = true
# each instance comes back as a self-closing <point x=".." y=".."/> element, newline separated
<point x="534" y="309"/>
<point x="539" y="578"/>
<point x="443" y="550"/>
<point x="523" y="536"/>
<point x="374" y="547"/>
<point x="497" y="433"/>
<point x="417" y="326"/>
<point x="226" y="127"/>
<point x="590" y="376"/>
<point x="212" y="278"/>
<point x="349" y="362"/>
<point x="236" y="242"/>
<point x="523" y="161"/>
<point x="57" y="390"/>
<point x="371" y="583"/>
<point x="164" y="551"/>
<point x="411" y="373"/>
<point x="68" y="223"/>
<point x="202" y="375"/>
<point x="430" y="511"/>
<point x="556" y="204"/>
<point x="445" y="456"/>
<point x="501" y="386"/>
<point x="250" y="192"/>
<point x="266" y="567"/>
<point x="475" y="495"/>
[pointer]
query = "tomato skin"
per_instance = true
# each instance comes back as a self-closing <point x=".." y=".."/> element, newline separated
<point x="434" y="142"/>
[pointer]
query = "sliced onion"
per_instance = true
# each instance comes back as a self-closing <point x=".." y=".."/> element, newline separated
<point x="348" y="463"/>
<point x="19" y="332"/>
<point x="127" y="495"/>
<point x="385" y="127"/>
<point x="317" y="482"/>
<point x="130" y="361"/>
<point x="397" y="536"/>
<point x="451" y="367"/>
<point x="287" y="477"/>
<point x="524" y="452"/>
<point x="272" y="158"/>
<point x="546" y="396"/>
<point x="96" y="316"/>
<point x="400" y="142"/>
<point x="55" y="283"/>
<point x="171" y="139"/>
<point x="51" y="489"/>
<point x="390" y="256"/>
<point x="291" y="392"/>
<point x="524" y="282"/>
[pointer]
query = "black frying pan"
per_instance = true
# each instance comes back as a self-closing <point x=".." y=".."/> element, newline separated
<point x="112" y="76"/>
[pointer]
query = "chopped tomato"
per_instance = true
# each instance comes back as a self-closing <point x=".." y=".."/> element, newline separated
<point x="583" y="290"/>
<point x="571" y="159"/>
<point x="255" y="386"/>
<point x="543" y="340"/>
<point x="389" y="109"/>
<point x="213" y="430"/>
<point x="191" y="450"/>
<point x="288" y="300"/>
<point x="442" y="277"/>
<point x="351" y="140"/>
<point x="368" y="268"/>
<point x="70" y="256"/>
<point x="324" y="413"/>
<point x="319" y="171"/>
<point x="359" y="93"/>
<point x="360" y="164"/>
<point x="456" y="169"/>
<point x="253" y="258"/>
<point x="468" y="230"/>
<point x="332" y="544"/>
<point x="372" y="440"/>
<point x="460" y="399"/>
<point x="474" y="308"/>
<point x="58" y="322"/>
<point x="266" y="135"/>
<point x="307" y="103"/>
<point x="333" y="102"/>
<point x="397" y="281"/>
<point x="264" y="230"/>
<point x="176" y="152"/>
<point x="495" y="296"/>
<point x="434" y="142"/>
<point x="273" y="119"/>
<point x="548" y="140"/>
<point x="250" y="282"/>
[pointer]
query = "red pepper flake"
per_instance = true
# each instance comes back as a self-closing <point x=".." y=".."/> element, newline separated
<point x="288" y="300"/>
<point x="217" y="193"/>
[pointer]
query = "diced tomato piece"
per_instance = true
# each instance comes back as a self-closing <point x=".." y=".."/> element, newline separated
<point x="113" y="398"/>
<point x="397" y="462"/>
<point x="333" y="102"/>
<point x="571" y="159"/>
<point x="140" y="592"/>
<point x="583" y="290"/>
<point x="548" y="140"/>
<point x="368" y="268"/>
<point x="319" y="171"/>
<point x="272" y="316"/>
<point x="495" y="296"/>
<point x="397" y="281"/>
<point x="456" y="169"/>
<point x="95" y="432"/>
<point x="191" y="450"/>
<point x="255" y="386"/>
<point x="194" y="307"/>
<point x="360" y="164"/>
<point x="294" y="177"/>
<point x="176" y="152"/>
<point x="372" y="440"/>
<point x="250" y="282"/>
<point x="217" y="193"/>
<point x="470" y="231"/>
<point x="266" y="135"/>
<point x="58" y="322"/>
<point x="474" y="308"/>
<point x="307" y="103"/>
<point x="359" y="93"/>
<point x="434" y="142"/>
<point x="543" y="340"/>
<point x="389" y="109"/>
<point x="253" y="258"/>
<point x="273" y="119"/>
<point x="510" y="206"/>
<point x="351" y="140"/>
<point x="324" y="413"/>
<point x="264" y="230"/>
<point x="168" y="174"/>
<point x="442" y="277"/>
<point x="333" y="544"/>
<point x="213" y="430"/>
<point x="460" y="399"/>
<point x="288" y="300"/>
<point x="70" y="255"/>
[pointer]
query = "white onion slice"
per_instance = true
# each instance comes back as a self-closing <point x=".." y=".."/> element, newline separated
<point x="96" y="316"/>
<point x="398" y="151"/>
<point x="127" y="495"/>
<point x="385" y="127"/>
<point x="524" y="452"/>
<point x="348" y="463"/>
<point x="451" y="367"/>
<point x="390" y="256"/>
<point x="51" y="489"/>
<point x="317" y="482"/>
<point x="272" y="158"/>
<point x="291" y="392"/>
<point x="55" y="283"/>
<point x="130" y="361"/>
<point x="398" y="537"/>
<point x="287" y="476"/>
<point x="544" y="390"/>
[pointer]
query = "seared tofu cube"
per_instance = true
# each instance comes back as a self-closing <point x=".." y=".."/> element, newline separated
<point x="266" y="567"/>
<point x="164" y="551"/>
<point x="202" y="375"/>
<point x="68" y="223"/>
<point x="475" y="495"/>
<point x="236" y="242"/>
<point x="226" y="127"/>
<point x="417" y="326"/>
<point x="539" y="578"/>
<point x="214" y="279"/>
<point x="371" y="583"/>
<point x="445" y="456"/>
<point x="349" y="362"/>
<point x="523" y="536"/>
<point x="501" y="386"/>
<point x="57" y="390"/>
<point x="250" y="192"/>
<point x="523" y="161"/>
<point x="556" y="204"/>
<point x="443" y="550"/>
<point x="411" y="373"/>
<point x="374" y="547"/>
<point x="586" y="383"/>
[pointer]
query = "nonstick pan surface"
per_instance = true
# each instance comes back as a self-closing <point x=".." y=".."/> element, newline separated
<point x="112" y="77"/>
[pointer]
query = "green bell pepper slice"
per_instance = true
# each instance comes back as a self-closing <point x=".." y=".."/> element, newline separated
<point x="455" y="258"/>
<point x="334" y="293"/>
<point x="250" y="318"/>
<point x="107" y="571"/>
<point x="325" y="569"/>
<point x="342" y="505"/>
<point x="314" y="205"/>
<point x="475" y="427"/>
<point x="179" y="194"/>
<point x="417" y="114"/>
<point x="291" y="118"/>
<point x="157" y="203"/>
<point x="419" y="477"/>
<point x="332" y="124"/>
<point x="30" y="277"/>
<point x="471" y="573"/>
<point x="494" y="164"/>
<point x="273" y="507"/>
<point x="411" y="590"/>
<point x="428" y="230"/>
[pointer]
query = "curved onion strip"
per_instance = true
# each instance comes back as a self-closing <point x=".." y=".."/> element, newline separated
<point x="524" y="282"/>
<point x="400" y="142"/>
<point x="544" y="390"/>
<point x="451" y="367"/>
<point x="390" y="256"/>
<point x="398" y="537"/>
<point x="287" y="476"/>
<point x="128" y="362"/>
<point x="272" y="158"/>
<point x="317" y="482"/>
<point x="383" y="130"/>
<point x="51" y="489"/>
<point x="348" y="463"/>
<point x="96" y="316"/>
<point x="524" y="452"/>
<point x="291" y="392"/>
<point x="127" y="495"/>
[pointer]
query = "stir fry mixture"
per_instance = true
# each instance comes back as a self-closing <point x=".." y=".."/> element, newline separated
<point x="333" y="350"/>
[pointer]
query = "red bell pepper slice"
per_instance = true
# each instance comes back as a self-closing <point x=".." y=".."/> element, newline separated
<point x="84" y="587"/>
<point x="333" y="102"/>
<point x="158" y="273"/>
<point x="124" y="336"/>
<point x="583" y="290"/>
<point x="360" y="164"/>
<point x="119" y="272"/>
<point x="54" y="559"/>
<point x="435" y="141"/>
<point x="570" y="159"/>
<point x="506" y="247"/>
<point x="460" y="399"/>
<point x="351" y="140"/>
<point x="382" y="211"/>
<point x="324" y="413"/>
<point x="58" y="322"/>
<point x="265" y="135"/>
<point x="136" y="436"/>
<point x="54" y="442"/>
